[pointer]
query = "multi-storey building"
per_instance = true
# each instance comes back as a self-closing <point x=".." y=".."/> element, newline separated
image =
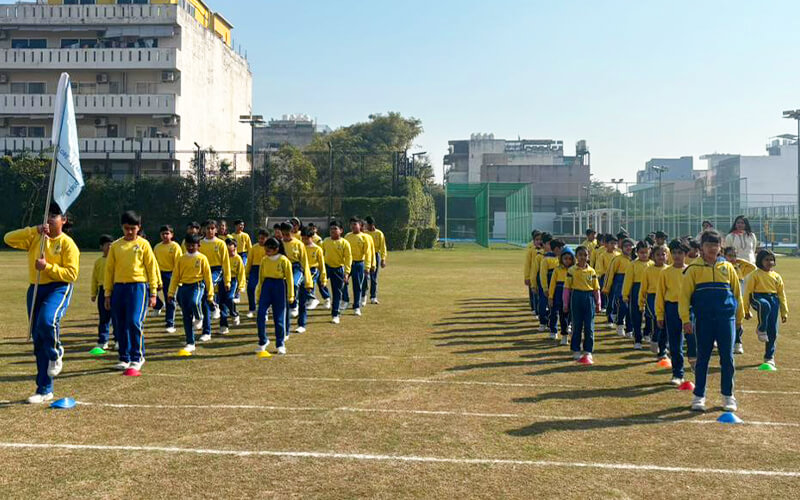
<point x="295" y="130"/>
<point x="151" y="80"/>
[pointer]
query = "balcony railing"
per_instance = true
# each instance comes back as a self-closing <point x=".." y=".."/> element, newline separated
<point x="99" y="104"/>
<point x="121" y="148"/>
<point x="88" y="58"/>
<point x="32" y="14"/>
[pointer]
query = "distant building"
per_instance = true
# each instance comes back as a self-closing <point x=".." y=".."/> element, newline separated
<point x="149" y="79"/>
<point x="556" y="181"/>
<point x="677" y="169"/>
<point x="295" y="130"/>
<point x="677" y="183"/>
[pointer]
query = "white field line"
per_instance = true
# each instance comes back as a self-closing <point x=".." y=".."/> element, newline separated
<point x="398" y="458"/>
<point x="346" y="409"/>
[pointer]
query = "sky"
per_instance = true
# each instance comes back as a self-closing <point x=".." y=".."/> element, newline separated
<point x="635" y="79"/>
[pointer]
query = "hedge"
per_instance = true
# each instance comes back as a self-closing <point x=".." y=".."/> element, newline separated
<point x="412" y="238"/>
<point x="427" y="237"/>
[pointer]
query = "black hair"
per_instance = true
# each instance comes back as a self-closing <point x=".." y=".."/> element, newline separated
<point x="277" y="225"/>
<point x="650" y="241"/>
<point x="306" y="232"/>
<point x="369" y="220"/>
<point x="727" y="250"/>
<point x="191" y="239"/>
<point x="746" y="224"/>
<point x="677" y="245"/>
<point x="335" y="223"/>
<point x="693" y="243"/>
<point x="627" y="241"/>
<point x="294" y="221"/>
<point x="355" y="219"/>
<point x="275" y="244"/>
<point x="237" y="222"/>
<point x="557" y="243"/>
<point x="601" y="239"/>
<point x="590" y="232"/>
<point x="622" y="235"/>
<point x="130" y="218"/>
<point x="263" y="232"/>
<point x="209" y="223"/>
<point x="656" y="248"/>
<point x="106" y="238"/>
<point x="661" y="235"/>
<point x="166" y="227"/>
<point x="611" y="238"/>
<point x="581" y="249"/>
<point x="762" y="255"/>
<point x="55" y="209"/>
<point x="286" y="227"/>
<point x="546" y="237"/>
<point x="535" y="233"/>
<point x="193" y="225"/>
<point x="642" y="245"/>
<point x="312" y="225"/>
<point x="707" y="222"/>
<point x="230" y="241"/>
<point x="564" y="254"/>
<point x="710" y="236"/>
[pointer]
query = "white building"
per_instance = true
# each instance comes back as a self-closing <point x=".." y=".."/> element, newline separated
<point x="150" y="79"/>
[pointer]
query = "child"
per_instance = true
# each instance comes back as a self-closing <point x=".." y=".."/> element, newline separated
<point x="530" y="252"/>
<point x="243" y="246"/>
<point x="276" y="290"/>
<point x="712" y="291"/>
<point x="131" y="277"/>
<point x="56" y="270"/>
<point x="603" y="261"/>
<point x="167" y="253"/>
<point x="219" y="259"/>
<point x="222" y="232"/>
<point x="379" y="244"/>
<point x="338" y="263"/>
<point x="533" y="277"/>
<point x="296" y="226"/>
<point x="667" y="312"/>
<point x="191" y="228"/>
<point x="295" y="251"/>
<point x="373" y="263"/>
<point x="316" y="264"/>
<point x="226" y="302"/>
<point x="591" y="240"/>
<point x="647" y="300"/>
<point x="547" y="267"/>
<point x="582" y="301"/>
<point x="323" y="290"/>
<point x="765" y="293"/>
<point x="661" y="240"/>
<point x="544" y="251"/>
<point x="566" y="259"/>
<point x="276" y="232"/>
<point x="361" y="250"/>
<point x="615" y="278"/>
<point x="191" y="281"/>
<point x="316" y="238"/>
<point x="632" y="288"/>
<point x="743" y="269"/>
<point x="255" y="255"/>
<point x="694" y="257"/>
<point x="98" y="294"/>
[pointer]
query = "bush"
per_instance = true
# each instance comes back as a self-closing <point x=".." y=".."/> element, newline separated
<point x="412" y="238"/>
<point x="391" y="214"/>
<point x="427" y="237"/>
<point x="396" y="239"/>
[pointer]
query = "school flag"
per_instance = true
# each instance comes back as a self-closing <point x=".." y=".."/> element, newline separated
<point x="68" y="181"/>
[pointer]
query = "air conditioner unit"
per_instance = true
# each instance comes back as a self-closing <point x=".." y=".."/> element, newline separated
<point x="101" y="122"/>
<point x="3" y="35"/>
<point x="102" y="78"/>
<point x="3" y="78"/>
<point x="170" y="121"/>
<point x="168" y="76"/>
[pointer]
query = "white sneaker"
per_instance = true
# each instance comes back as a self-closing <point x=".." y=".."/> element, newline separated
<point x="374" y="301"/>
<point x="251" y="314"/>
<point x="295" y="312"/>
<point x="729" y="403"/>
<point x="676" y="381"/>
<point x="300" y="329"/>
<point x="137" y="365"/>
<point x="553" y="335"/>
<point x="542" y="328"/>
<point x="576" y="355"/>
<point x="198" y="324"/>
<point x="647" y="338"/>
<point x="224" y="330"/>
<point x="156" y="312"/>
<point x="216" y="314"/>
<point x="190" y="348"/>
<point x="122" y="365"/>
<point x="237" y="300"/>
<point x="237" y="320"/>
<point x="282" y="350"/>
<point x="205" y="338"/>
<point x="770" y="362"/>
<point x="343" y="306"/>
<point x="55" y="367"/>
<point x="698" y="403"/>
<point x="328" y="303"/>
<point x="357" y="312"/>
<point x="363" y="302"/>
<point x="102" y="346"/>
<point x="171" y="329"/>
<point x="569" y="329"/>
<point x="738" y="348"/>
<point x="564" y="340"/>
<point x="621" y="331"/>
<point x="312" y="304"/>
<point x="262" y="348"/>
<point x="637" y="346"/>
<point x="335" y="320"/>
<point x="38" y="399"/>
<point x="762" y="336"/>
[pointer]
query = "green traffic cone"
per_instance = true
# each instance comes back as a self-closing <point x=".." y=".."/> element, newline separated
<point x="97" y="351"/>
<point x="766" y="367"/>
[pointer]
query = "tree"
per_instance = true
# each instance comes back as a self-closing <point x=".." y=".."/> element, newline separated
<point x="294" y="175"/>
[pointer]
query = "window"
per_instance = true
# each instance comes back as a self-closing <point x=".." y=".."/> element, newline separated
<point x="137" y="2"/>
<point x="29" y="43"/>
<point x="36" y="131"/>
<point x="81" y="2"/>
<point x="27" y="131"/>
<point x="112" y="131"/>
<point x="79" y="43"/>
<point x="28" y="88"/>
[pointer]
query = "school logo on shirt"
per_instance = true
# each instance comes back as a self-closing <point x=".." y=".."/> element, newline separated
<point x="57" y="248"/>
<point x="723" y="270"/>
<point x="197" y="263"/>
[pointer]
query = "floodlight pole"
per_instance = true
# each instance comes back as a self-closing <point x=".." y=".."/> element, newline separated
<point x="252" y="120"/>
<point x="795" y="115"/>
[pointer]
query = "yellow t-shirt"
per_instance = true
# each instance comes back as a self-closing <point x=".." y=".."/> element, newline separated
<point x="61" y="253"/>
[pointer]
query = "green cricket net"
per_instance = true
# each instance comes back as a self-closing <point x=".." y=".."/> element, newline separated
<point x="488" y="213"/>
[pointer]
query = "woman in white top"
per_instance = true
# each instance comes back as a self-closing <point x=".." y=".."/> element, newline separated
<point x="742" y="239"/>
<point x="706" y="225"/>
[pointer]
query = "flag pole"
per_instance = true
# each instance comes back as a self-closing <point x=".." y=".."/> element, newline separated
<point x="50" y="184"/>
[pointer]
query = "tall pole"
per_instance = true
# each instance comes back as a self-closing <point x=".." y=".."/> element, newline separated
<point x="444" y="183"/>
<point x="330" y="180"/>
<point x="797" y="142"/>
<point x="253" y="176"/>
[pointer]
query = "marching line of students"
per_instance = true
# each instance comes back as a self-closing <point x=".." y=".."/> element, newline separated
<point x="203" y="277"/>
<point x="688" y="295"/>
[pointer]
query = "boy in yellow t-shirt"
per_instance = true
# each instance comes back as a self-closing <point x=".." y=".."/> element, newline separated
<point x="167" y="254"/>
<point x="99" y="296"/>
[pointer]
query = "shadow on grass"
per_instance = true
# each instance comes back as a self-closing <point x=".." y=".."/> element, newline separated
<point x="633" y="391"/>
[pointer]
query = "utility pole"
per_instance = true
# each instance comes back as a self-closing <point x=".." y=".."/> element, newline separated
<point x="330" y="181"/>
<point x="660" y="169"/>
<point x="795" y="115"/>
<point x="253" y="121"/>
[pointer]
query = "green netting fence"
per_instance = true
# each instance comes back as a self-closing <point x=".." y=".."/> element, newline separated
<point x="489" y="212"/>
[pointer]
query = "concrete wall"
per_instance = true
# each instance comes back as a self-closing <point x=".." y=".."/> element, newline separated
<point x="770" y="180"/>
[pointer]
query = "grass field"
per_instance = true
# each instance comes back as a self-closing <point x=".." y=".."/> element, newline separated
<point x="443" y="390"/>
